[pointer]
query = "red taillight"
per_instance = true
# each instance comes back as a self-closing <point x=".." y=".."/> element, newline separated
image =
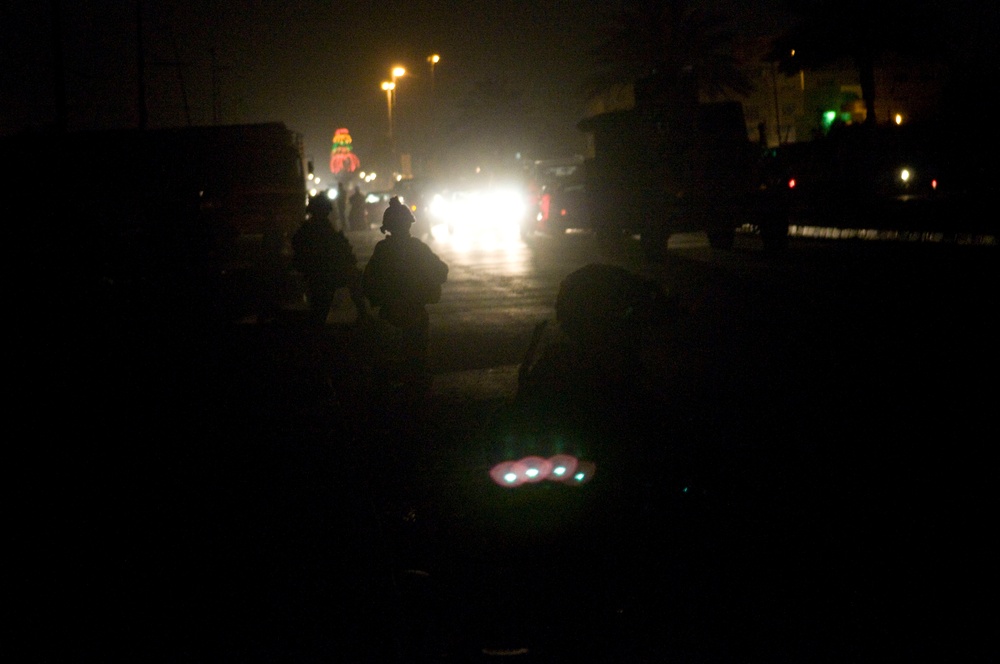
<point x="791" y="183"/>
<point x="933" y="184"/>
<point x="562" y="212"/>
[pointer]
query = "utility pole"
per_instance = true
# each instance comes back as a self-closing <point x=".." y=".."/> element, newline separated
<point x="216" y="101"/>
<point x="59" y="68"/>
<point x="140" y="68"/>
<point x="777" y="108"/>
<point x="179" y="68"/>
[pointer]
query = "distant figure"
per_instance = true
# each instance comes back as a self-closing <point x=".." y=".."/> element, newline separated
<point x="402" y="277"/>
<point x="342" y="205"/>
<point x="357" y="218"/>
<point x="326" y="260"/>
<point x="589" y="375"/>
<point x="595" y="362"/>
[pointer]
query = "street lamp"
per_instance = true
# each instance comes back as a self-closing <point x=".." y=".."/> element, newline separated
<point x="433" y="59"/>
<point x="396" y="73"/>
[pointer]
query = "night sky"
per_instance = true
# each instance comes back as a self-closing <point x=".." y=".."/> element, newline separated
<point x="315" y="65"/>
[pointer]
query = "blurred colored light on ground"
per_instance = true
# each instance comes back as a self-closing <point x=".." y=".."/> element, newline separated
<point x="584" y="472"/>
<point x="532" y="469"/>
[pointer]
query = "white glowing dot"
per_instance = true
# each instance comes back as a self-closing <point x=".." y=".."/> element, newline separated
<point x="578" y="477"/>
<point x="559" y="470"/>
<point x="532" y="472"/>
<point x="510" y="477"/>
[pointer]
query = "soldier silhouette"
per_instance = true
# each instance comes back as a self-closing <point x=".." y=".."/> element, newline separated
<point x="326" y="260"/>
<point x="402" y="277"/>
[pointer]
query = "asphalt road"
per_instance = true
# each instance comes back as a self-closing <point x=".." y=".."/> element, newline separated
<point x="816" y="485"/>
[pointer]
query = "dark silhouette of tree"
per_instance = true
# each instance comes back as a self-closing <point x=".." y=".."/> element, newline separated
<point x="680" y="43"/>
<point x="828" y="32"/>
<point x="970" y="42"/>
<point x="493" y="120"/>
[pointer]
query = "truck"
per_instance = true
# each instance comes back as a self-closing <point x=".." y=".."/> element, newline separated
<point x="164" y="214"/>
<point x="662" y="168"/>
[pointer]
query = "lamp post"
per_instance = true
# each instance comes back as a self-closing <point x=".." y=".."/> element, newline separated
<point x="396" y="73"/>
<point x="433" y="59"/>
<point x="389" y="87"/>
<point x="431" y="136"/>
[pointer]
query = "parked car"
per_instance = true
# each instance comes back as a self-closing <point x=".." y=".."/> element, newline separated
<point x="896" y="178"/>
<point x="562" y="207"/>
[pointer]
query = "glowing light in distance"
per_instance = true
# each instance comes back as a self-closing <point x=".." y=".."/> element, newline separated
<point x="904" y="175"/>
<point x="493" y="211"/>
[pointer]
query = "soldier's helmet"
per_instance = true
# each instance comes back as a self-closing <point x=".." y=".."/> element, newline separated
<point x="319" y="206"/>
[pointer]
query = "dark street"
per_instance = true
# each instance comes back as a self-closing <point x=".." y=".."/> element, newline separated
<point x="813" y="485"/>
<point x="371" y="332"/>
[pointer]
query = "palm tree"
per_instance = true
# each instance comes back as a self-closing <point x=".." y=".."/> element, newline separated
<point x="491" y="120"/>
<point x="861" y="31"/>
<point x="679" y="46"/>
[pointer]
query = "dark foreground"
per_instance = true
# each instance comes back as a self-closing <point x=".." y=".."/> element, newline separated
<point x="818" y="487"/>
